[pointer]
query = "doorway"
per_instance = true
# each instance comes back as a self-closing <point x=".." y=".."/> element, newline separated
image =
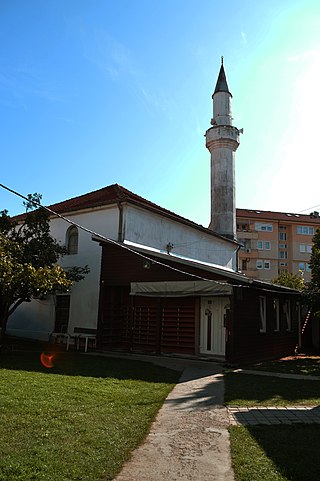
<point x="212" y="325"/>
<point x="62" y="313"/>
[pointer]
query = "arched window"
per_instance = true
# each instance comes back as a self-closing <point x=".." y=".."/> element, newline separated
<point x="72" y="240"/>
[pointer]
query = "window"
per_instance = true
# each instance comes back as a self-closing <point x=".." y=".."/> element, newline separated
<point x="246" y="244"/>
<point x="306" y="248"/>
<point x="276" y="308"/>
<point x="244" y="265"/>
<point x="263" y="227"/>
<point x="283" y="271"/>
<point x="72" y="240"/>
<point x="266" y="265"/>
<point x="287" y="313"/>
<point x="243" y="227"/>
<point x="304" y="266"/>
<point x="263" y="264"/>
<point x="282" y="246"/>
<point x="305" y="230"/>
<point x="282" y="236"/>
<point x="263" y="313"/>
<point x="283" y="255"/>
<point x="259" y="264"/>
<point x="263" y="245"/>
<point x="283" y="264"/>
<point x="302" y="248"/>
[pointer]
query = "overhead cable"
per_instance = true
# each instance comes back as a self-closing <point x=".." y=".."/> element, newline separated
<point x="102" y="237"/>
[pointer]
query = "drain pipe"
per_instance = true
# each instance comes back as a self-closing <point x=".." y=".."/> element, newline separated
<point x="120" y="226"/>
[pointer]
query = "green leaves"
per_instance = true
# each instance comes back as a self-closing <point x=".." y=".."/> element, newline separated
<point x="312" y="291"/>
<point x="19" y="277"/>
<point x="29" y="259"/>
<point x="287" y="279"/>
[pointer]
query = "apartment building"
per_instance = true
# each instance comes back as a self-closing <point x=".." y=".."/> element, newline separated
<point x="275" y="242"/>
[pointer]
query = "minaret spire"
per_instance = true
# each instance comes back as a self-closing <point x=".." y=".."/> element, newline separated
<point x="222" y="84"/>
<point x="222" y="140"/>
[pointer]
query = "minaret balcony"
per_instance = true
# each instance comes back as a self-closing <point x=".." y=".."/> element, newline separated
<point x="222" y="136"/>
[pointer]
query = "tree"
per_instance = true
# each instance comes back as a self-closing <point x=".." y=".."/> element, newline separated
<point x="29" y="260"/>
<point x="312" y="291"/>
<point x="287" y="279"/>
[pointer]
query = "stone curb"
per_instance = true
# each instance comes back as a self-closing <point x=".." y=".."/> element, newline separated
<point x="277" y="374"/>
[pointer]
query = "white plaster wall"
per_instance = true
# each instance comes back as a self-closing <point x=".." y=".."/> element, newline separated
<point x="33" y="319"/>
<point x="222" y="110"/>
<point x="36" y="319"/>
<point x="153" y="230"/>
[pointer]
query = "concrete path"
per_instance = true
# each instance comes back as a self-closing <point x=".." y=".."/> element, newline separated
<point x="189" y="440"/>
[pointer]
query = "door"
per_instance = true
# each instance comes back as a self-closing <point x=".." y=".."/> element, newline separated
<point x="62" y="313"/>
<point x="212" y="325"/>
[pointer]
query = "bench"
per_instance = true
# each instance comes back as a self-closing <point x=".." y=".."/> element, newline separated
<point x="87" y="334"/>
<point x="59" y="337"/>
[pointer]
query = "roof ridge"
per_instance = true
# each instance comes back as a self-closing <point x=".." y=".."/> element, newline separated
<point x="113" y="194"/>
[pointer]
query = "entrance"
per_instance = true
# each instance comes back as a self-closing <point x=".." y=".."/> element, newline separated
<point x="62" y="313"/>
<point x="212" y="326"/>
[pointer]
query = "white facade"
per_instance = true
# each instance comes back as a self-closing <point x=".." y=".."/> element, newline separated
<point x="153" y="230"/>
<point x="135" y="224"/>
<point x="37" y="318"/>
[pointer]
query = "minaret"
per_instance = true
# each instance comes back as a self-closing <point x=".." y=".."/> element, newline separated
<point x="222" y="140"/>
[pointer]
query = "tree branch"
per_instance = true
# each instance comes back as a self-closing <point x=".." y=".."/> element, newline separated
<point x="15" y="305"/>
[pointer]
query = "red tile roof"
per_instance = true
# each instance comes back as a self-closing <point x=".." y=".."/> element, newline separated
<point x="277" y="216"/>
<point x="113" y="194"/>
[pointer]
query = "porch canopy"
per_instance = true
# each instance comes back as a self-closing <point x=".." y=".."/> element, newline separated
<point x="180" y="289"/>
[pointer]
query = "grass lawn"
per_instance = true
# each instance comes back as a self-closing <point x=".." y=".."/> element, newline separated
<point x="250" y="390"/>
<point x="78" y="420"/>
<point x="307" y="365"/>
<point x="279" y="452"/>
<point x="276" y="453"/>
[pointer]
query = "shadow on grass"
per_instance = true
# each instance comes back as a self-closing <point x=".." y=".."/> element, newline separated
<point x="27" y="357"/>
<point x="250" y="390"/>
<point x="293" y="449"/>
<point x="307" y="365"/>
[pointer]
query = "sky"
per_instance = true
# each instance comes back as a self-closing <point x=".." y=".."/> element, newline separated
<point x="97" y="92"/>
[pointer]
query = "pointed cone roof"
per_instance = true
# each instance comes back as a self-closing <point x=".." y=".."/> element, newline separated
<point x="222" y="84"/>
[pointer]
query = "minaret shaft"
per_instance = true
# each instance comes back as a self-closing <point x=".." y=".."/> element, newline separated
<point x="222" y="140"/>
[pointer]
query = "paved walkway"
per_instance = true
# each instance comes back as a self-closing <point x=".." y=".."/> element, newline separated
<point x="274" y="415"/>
<point x="189" y="440"/>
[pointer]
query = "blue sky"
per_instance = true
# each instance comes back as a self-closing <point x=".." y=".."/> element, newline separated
<point x="98" y="92"/>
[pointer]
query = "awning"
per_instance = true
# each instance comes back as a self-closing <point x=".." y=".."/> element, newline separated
<point x="180" y="289"/>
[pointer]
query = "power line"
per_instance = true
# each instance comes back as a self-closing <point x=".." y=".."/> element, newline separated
<point x="90" y="231"/>
<point x="308" y="208"/>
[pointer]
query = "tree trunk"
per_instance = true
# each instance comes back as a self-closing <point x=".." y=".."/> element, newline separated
<point x="4" y="314"/>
